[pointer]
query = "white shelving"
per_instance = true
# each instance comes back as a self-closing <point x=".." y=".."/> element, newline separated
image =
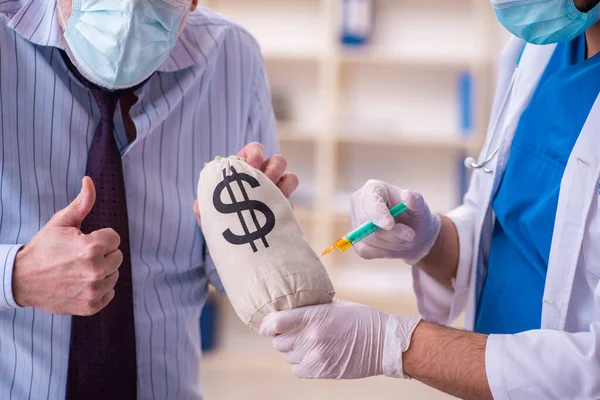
<point x="389" y="110"/>
<point x="380" y="58"/>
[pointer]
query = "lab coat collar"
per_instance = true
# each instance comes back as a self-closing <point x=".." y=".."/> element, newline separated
<point x="37" y="22"/>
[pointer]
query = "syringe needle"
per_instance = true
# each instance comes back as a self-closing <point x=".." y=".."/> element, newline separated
<point x="327" y="251"/>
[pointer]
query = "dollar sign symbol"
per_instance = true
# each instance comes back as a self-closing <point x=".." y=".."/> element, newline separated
<point x="237" y="207"/>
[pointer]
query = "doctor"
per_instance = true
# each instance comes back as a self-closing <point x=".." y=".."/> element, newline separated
<point x="521" y="256"/>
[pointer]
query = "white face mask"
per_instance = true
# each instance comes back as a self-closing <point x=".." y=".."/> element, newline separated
<point x="118" y="44"/>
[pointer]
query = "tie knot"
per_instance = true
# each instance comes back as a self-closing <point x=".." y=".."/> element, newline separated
<point x="107" y="103"/>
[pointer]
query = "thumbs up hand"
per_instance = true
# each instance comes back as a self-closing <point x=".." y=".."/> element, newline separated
<point x="64" y="271"/>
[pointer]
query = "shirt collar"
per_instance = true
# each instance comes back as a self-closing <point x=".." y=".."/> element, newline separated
<point x="37" y="22"/>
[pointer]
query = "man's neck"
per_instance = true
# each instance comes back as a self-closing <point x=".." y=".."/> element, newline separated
<point x="592" y="37"/>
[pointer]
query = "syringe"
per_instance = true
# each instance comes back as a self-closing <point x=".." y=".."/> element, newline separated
<point x="358" y="234"/>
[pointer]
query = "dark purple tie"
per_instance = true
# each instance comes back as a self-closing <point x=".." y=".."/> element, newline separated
<point x="102" y="356"/>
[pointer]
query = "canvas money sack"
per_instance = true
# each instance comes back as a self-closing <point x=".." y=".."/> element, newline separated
<point x="263" y="259"/>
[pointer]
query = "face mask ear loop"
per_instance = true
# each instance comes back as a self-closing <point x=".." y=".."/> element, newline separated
<point x="62" y="21"/>
<point x="75" y="15"/>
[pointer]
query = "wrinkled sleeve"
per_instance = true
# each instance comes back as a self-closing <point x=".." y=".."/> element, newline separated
<point x="544" y="364"/>
<point x="260" y="127"/>
<point x="435" y="302"/>
<point x="211" y="273"/>
<point x="8" y="253"/>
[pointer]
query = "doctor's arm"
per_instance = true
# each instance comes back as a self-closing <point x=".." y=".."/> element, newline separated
<point x="343" y="340"/>
<point x="538" y="364"/>
<point x="449" y="360"/>
<point x="441" y="263"/>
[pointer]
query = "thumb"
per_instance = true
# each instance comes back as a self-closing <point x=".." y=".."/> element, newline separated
<point x="375" y="205"/>
<point x="74" y="214"/>
<point x="281" y="322"/>
<point x="415" y="202"/>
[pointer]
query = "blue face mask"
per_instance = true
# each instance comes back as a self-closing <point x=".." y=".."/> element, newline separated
<point x="117" y="44"/>
<point x="544" y="21"/>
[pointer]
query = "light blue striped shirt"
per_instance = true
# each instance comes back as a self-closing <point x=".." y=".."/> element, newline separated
<point x="209" y="98"/>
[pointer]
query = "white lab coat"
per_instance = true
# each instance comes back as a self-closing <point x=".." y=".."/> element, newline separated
<point x="562" y="360"/>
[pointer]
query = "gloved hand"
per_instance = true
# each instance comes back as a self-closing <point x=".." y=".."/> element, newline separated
<point x="409" y="237"/>
<point x="340" y="340"/>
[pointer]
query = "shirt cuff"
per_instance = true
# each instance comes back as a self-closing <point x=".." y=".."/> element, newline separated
<point x="493" y="366"/>
<point x="433" y="298"/>
<point x="213" y="275"/>
<point x="8" y="253"/>
<point x="463" y="221"/>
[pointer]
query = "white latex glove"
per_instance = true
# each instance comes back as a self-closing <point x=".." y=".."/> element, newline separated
<point x="340" y="340"/>
<point x="409" y="237"/>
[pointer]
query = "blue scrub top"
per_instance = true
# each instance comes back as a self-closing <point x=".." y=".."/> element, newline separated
<point x="526" y="200"/>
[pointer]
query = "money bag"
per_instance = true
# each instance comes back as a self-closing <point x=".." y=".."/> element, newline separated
<point x="260" y="253"/>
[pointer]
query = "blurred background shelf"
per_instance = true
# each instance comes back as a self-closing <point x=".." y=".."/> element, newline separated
<point x="290" y="132"/>
<point x="292" y="56"/>
<point x="406" y="140"/>
<point x="407" y="106"/>
<point x="352" y="57"/>
<point x="450" y="142"/>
